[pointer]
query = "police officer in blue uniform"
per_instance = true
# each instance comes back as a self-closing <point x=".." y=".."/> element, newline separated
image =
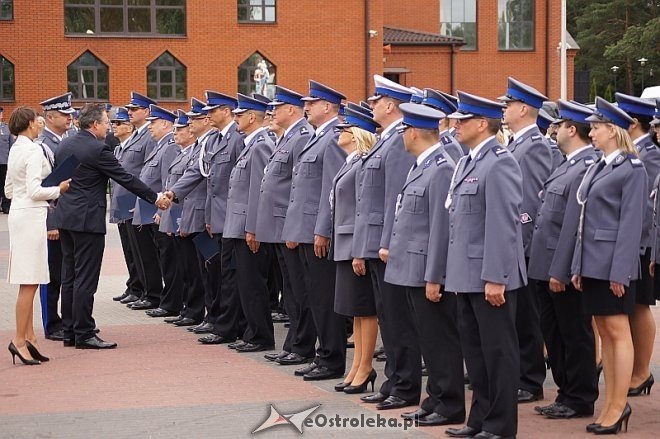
<point x="566" y="328"/>
<point x="418" y="260"/>
<point x="487" y="262"/>
<point x="440" y="101"/>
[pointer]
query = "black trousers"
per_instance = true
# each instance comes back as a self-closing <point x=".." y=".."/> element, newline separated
<point x="320" y="276"/>
<point x="172" y="297"/>
<point x="252" y="282"/>
<point x="194" y="279"/>
<point x="225" y="313"/>
<point x="148" y="266"/>
<point x="5" y="202"/>
<point x="490" y="347"/>
<point x="133" y="284"/>
<point x="286" y="291"/>
<point x="213" y="270"/>
<point x="275" y="284"/>
<point x="302" y="332"/>
<point x="569" y="339"/>
<point x="82" y="254"/>
<point x="404" y="358"/>
<point x="530" y="340"/>
<point x="52" y="319"/>
<point x="437" y="330"/>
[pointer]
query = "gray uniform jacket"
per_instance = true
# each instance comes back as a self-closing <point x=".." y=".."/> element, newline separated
<point x="451" y="145"/>
<point x="276" y="184"/>
<point x="557" y="221"/>
<point x="608" y="247"/>
<point x="420" y="235"/>
<point x="244" y="186"/>
<point x="342" y="207"/>
<point x="557" y="156"/>
<point x="154" y="174"/>
<point x="52" y="142"/>
<point x="485" y="234"/>
<point x="655" y="232"/>
<point x="317" y="163"/>
<point x="535" y="158"/>
<point x="649" y="154"/>
<point x="190" y="189"/>
<point x="220" y="160"/>
<point x="169" y="221"/>
<point x="379" y="181"/>
<point x="6" y="140"/>
<point x="131" y="157"/>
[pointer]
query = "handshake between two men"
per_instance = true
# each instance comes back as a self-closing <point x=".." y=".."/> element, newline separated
<point x="165" y="200"/>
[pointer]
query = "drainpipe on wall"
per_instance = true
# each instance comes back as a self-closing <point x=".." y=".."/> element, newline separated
<point x="547" y="48"/>
<point x="452" y="65"/>
<point x="367" y="64"/>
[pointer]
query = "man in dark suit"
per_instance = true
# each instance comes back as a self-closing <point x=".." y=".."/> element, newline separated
<point x="81" y="217"/>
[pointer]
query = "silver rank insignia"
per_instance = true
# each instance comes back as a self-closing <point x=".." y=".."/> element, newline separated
<point x="525" y="218"/>
<point x="398" y="204"/>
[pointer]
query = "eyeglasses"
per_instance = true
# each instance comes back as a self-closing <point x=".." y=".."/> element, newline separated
<point x="119" y="122"/>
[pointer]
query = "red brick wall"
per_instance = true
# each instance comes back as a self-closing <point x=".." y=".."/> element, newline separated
<point x="423" y="15"/>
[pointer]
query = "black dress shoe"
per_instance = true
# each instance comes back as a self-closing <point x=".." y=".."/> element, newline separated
<point x="96" y="330"/>
<point x="393" y="402"/>
<point x="466" y="431"/>
<point x="486" y="435"/>
<point x="236" y="344"/>
<point x="280" y="318"/>
<point x="204" y="328"/>
<point x="525" y="396"/>
<point x="56" y="336"/>
<point x="417" y="414"/>
<point x="560" y="411"/>
<point x="254" y="347"/>
<point x="186" y="322"/>
<point x="541" y="408"/>
<point x="273" y="356"/>
<point x="214" y="339"/>
<point x="305" y="370"/>
<point x="322" y="373"/>
<point x="382" y="357"/>
<point x="69" y="342"/>
<point x="160" y="312"/>
<point x="120" y="297"/>
<point x="292" y="359"/>
<point x="374" y="398"/>
<point x="142" y="305"/>
<point x="173" y="319"/>
<point x="129" y="299"/>
<point x="438" y="419"/>
<point x="95" y="343"/>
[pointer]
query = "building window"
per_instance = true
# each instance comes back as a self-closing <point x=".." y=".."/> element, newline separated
<point x="6" y="80"/>
<point x="458" y="18"/>
<point x="166" y="79"/>
<point x="125" y="17"/>
<point x="257" y="75"/>
<point x="516" y="24"/>
<point x="6" y="9"/>
<point x="88" y="78"/>
<point x="259" y="11"/>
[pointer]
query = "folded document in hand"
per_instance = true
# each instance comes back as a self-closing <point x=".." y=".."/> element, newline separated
<point x="63" y="171"/>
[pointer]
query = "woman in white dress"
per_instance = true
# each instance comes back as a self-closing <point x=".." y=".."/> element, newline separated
<point x="28" y="165"/>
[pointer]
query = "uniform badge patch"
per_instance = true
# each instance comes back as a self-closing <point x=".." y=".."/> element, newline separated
<point x="525" y="218"/>
<point x="619" y="159"/>
<point x="588" y="161"/>
<point x="427" y="163"/>
<point x="471" y="180"/>
<point x="440" y="160"/>
<point x="304" y="130"/>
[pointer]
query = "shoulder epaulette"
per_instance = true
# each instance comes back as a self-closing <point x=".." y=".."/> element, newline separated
<point x="537" y="137"/>
<point x="440" y="159"/>
<point x="650" y="147"/>
<point x="446" y="140"/>
<point x="304" y="130"/>
<point x="261" y="138"/>
<point x="171" y="141"/>
<point x="588" y="161"/>
<point x="635" y="162"/>
<point x="500" y="150"/>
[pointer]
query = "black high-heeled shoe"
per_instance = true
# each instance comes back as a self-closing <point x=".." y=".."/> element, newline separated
<point x="644" y="388"/>
<point x="341" y="386"/>
<point x="14" y="352"/>
<point x="361" y="388"/>
<point x="622" y="423"/>
<point x="592" y="426"/>
<point x="35" y="352"/>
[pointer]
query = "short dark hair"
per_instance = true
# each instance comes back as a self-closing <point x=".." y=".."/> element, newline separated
<point x="89" y="114"/>
<point x="494" y="125"/>
<point x="581" y="129"/>
<point x="20" y="119"/>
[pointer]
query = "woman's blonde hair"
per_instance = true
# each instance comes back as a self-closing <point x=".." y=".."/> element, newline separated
<point x="363" y="139"/>
<point x="623" y="140"/>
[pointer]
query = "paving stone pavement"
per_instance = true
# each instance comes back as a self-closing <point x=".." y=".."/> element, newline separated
<point x="160" y="383"/>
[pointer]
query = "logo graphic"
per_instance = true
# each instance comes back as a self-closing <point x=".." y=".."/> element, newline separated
<point x="294" y="419"/>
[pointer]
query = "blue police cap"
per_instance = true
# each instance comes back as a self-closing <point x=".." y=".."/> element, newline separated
<point x="181" y="119"/>
<point x="197" y="108"/>
<point x="246" y="103"/>
<point x="453" y="99"/>
<point x="139" y="101"/>
<point x="544" y="119"/>
<point x="318" y="91"/>
<point x="573" y="111"/>
<point x="263" y="98"/>
<point x="359" y="108"/>
<point x="420" y="116"/>
<point x="634" y="106"/>
<point x="217" y="100"/>
<point x="519" y="91"/>
<point x="417" y="96"/>
<point x="366" y="105"/>
<point x="385" y="87"/>
<point x="286" y="96"/>
<point x="656" y="120"/>
<point x="121" y="115"/>
<point x="360" y="120"/>
<point x="438" y="100"/>
<point x="156" y="112"/>
<point x="470" y="105"/>
<point x="60" y="103"/>
<point x="608" y="112"/>
<point x="342" y="110"/>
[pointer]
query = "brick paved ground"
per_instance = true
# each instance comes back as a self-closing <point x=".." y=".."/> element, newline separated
<point x="160" y="383"/>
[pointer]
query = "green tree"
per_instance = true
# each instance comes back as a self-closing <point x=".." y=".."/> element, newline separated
<point x="609" y="93"/>
<point x="593" y="90"/>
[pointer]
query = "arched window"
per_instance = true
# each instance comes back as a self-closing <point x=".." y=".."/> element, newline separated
<point x="166" y="79"/>
<point x="6" y="80"/>
<point x="256" y="75"/>
<point x="88" y="78"/>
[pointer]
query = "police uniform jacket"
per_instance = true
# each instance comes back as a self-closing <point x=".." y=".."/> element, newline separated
<point x="485" y="235"/>
<point x="556" y="225"/>
<point x="244" y="186"/>
<point x="452" y="147"/>
<point x="82" y="208"/>
<point x="649" y="154"/>
<point x="557" y="156"/>
<point x="49" y="140"/>
<point x="6" y="140"/>
<point x="655" y="232"/>
<point x="342" y="200"/>
<point x="220" y="160"/>
<point x="319" y="160"/>
<point x="276" y="184"/>
<point x="535" y="158"/>
<point x="420" y="235"/>
<point x="170" y="219"/>
<point x="612" y="220"/>
<point x="381" y="176"/>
